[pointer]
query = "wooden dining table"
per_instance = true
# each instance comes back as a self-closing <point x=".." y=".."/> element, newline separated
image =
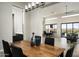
<point x="43" y="50"/>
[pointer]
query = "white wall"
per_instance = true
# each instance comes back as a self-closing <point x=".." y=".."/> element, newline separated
<point x="18" y="19"/>
<point x="36" y="22"/>
<point x="5" y="24"/>
<point x="27" y="26"/>
<point x="37" y="15"/>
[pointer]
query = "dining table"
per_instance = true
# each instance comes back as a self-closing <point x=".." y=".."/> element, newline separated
<point x="44" y="50"/>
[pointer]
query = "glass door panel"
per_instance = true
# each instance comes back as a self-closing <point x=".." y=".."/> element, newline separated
<point x="69" y="28"/>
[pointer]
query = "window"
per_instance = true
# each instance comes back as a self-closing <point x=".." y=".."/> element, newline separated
<point x="75" y="27"/>
<point x="63" y="28"/>
<point x="68" y="28"/>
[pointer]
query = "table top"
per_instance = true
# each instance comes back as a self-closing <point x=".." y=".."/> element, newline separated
<point x="43" y="50"/>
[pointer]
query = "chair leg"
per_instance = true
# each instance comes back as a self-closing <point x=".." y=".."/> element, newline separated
<point x="62" y="54"/>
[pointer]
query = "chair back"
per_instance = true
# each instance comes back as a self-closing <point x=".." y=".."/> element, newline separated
<point x="70" y="52"/>
<point x="17" y="52"/>
<point x="37" y="40"/>
<point x="20" y="36"/>
<point x="6" y="48"/>
<point x="49" y="41"/>
<point x="17" y="37"/>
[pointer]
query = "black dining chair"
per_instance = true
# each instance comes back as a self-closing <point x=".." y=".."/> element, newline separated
<point x="20" y="36"/>
<point x="49" y="41"/>
<point x="6" y="47"/>
<point x="62" y="54"/>
<point x="70" y="52"/>
<point x="74" y="38"/>
<point x="17" y="37"/>
<point x="17" y="52"/>
<point x="37" y="40"/>
<point x="69" y="37"/>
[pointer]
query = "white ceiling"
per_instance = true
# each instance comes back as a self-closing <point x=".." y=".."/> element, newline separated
<point x="55" y="7"/>
<point x="22" y="4"/>
<point x="70" y="4"/>
<point x="60" y="9"/>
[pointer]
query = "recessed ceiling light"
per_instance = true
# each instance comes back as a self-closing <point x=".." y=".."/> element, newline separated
<point x="37" y="2"/>
<point x="29" y="5"/>
<point x="33" y="3"/>
<point x="26" y="7"/>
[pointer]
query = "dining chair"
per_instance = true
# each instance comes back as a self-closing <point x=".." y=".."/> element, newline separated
<point x="17" y="37"/>
<point x="68" y="38"/>
<point x="70" y="52"/>
<point x="6" y="47"/>
<point x="20" y="36"/>
<point x="49" y="41"/>
<point x="74" y="38"/>
<point x="62" y="54"/>
<point x="37" y="40"/>
<point x="17" y="52"/>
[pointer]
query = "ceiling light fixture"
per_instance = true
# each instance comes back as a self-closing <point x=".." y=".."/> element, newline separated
<point x="70" y="15"/>
<point x="67" y="13"/>
<point x="52" y="18"/>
